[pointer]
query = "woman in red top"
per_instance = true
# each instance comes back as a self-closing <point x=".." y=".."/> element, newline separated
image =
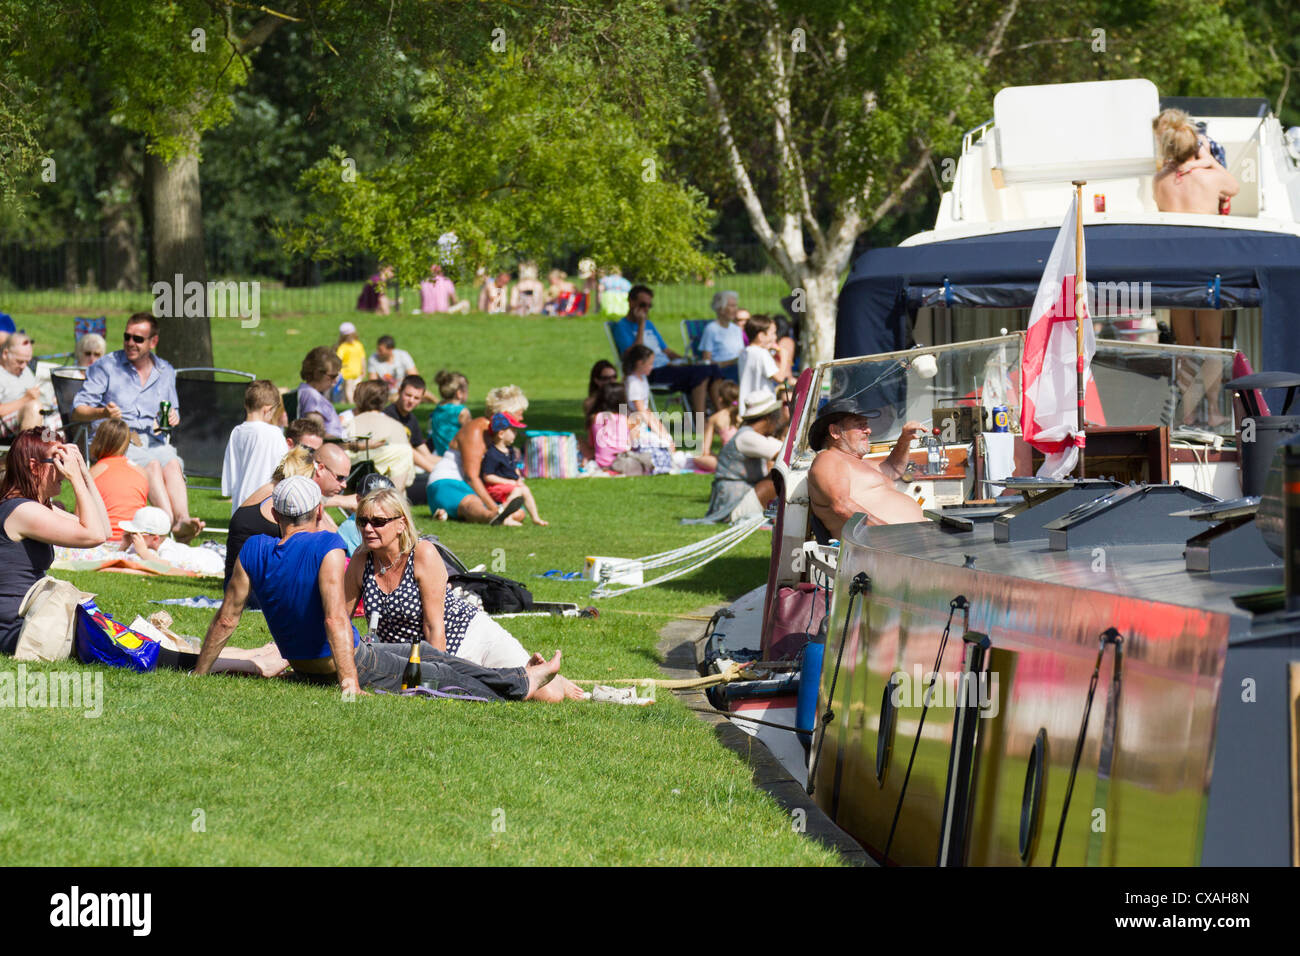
<point x="124" y="485"/>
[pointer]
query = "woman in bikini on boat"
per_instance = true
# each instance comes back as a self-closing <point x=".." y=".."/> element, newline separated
<point x="1191" y="181"/>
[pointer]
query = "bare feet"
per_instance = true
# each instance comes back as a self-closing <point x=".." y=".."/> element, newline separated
<point x="539" y="675"/>
<point x="572" y="691"/>
<point x="186" y="529"/>
<point x="536" y="659"/>
<point x="539" y="521"/>
<point x="514" y="521"/>
<point x="440" y="514"/>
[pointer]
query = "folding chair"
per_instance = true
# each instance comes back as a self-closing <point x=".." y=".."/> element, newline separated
<point x="692" y="329"/>
<point x="211" y="405"/>
<point x="67" y="382"/>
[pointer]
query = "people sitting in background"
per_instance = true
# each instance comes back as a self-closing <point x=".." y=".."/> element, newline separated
<point x="722" y="341"/>
<point x="390" y="364"/>
<point x="38" y="463"/>
<point x="450" y="415"/>
<point x="612" y="434"/>
<point x="560" y="294"/>
<point x="403" y="582"/>
<point x="638" y="361"/>
<point x="124" y="486"/>
<point x="352" y="355"/>
<point x="298" y="576"/>
<point x="723" y="423"/>
<point x="502" y="468"/>
<point x="131" y="384"/>
<point x="529" y="294"/>
<point x="389" y="450"/>
<point x="256" y="445"/>
<point x="741" y="486"/>
<point x="410" y="393"/>
<point x="590" y="284"/>
<point x="494" y="297"/>
<point x="456" y="489"/>
<point x="615" y="291"/>
<point x="304" y="431"/>
<point x="601" y="373"/>
<point x="328" y="468"/>
<point x="759" y="370"/>
<point x="319" y="371"/>
<point x="90" y="349"/>
<point x="438" y="293"/>
<point x="842" y="482"/>
<point x="374" y="294"/>
<point x="20" y="396"/>
<point x="635" y="328"/>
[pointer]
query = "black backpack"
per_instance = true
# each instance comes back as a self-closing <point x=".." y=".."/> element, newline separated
<point x="499" y="595"/>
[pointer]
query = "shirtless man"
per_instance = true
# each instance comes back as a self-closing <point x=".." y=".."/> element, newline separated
<point x="841" y="483"/>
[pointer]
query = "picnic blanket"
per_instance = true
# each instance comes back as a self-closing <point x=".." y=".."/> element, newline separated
<point x="125" y="564"/>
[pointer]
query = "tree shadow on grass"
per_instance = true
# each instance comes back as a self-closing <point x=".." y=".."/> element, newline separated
<point x="733" y="576"/>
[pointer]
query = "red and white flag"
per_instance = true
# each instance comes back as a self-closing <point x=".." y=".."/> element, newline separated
<point x="1050" y="363"/>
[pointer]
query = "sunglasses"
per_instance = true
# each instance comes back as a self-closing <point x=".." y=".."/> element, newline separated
<point x="376" y="523"/>
<point x="137" y="339"/>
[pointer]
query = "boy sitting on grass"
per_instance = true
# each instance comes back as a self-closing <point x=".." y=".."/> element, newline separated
<point x="500" y="471"/>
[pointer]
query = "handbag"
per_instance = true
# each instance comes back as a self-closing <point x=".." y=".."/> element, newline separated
<point x="49" y="618"/>
<point x="102" y="640"/>
<point x="551" y="455"/>
<point x="796" y="615"/>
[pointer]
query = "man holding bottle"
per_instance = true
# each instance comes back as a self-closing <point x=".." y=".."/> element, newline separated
<point x="135" y="385"/>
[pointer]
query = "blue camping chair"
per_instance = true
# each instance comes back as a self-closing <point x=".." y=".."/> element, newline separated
<point x="692" y="330"/>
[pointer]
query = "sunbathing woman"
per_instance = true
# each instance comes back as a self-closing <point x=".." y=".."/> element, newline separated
<point x="404" y="582"/>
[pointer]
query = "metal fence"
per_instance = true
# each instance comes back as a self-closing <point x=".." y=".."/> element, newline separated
<point x="97" y="275"/>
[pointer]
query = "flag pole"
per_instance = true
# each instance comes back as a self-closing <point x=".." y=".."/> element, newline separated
<point x="1080" y="306"/>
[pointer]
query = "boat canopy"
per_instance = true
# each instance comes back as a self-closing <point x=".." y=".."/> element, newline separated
<point x="1186" y="266"/>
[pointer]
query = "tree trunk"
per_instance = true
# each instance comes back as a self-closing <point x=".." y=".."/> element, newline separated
<point x="817" y="330"/>
<point x="121" y="229"/>
<point x="177" y="221"/>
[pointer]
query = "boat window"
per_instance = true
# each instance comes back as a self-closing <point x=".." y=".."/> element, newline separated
<point x="1136" y="384"/>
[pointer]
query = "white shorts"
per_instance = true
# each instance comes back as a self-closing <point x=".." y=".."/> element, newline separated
<point x="488" y="644"/>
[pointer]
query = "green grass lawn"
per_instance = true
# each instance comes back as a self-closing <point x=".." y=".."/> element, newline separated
<point x="184" y="770"/>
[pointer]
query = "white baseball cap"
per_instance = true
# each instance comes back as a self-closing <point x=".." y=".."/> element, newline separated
<point x="295" y="496"/>
<point x="347" y="328"/>
<point x="148" y="520"/>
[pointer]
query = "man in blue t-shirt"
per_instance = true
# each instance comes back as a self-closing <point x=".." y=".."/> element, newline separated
<point x="697" y="382"/>
<point x="299" y="581"/>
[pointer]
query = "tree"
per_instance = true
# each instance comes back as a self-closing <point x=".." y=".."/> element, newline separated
<point x="549" y="129"/>
<point x="830" y="116"/>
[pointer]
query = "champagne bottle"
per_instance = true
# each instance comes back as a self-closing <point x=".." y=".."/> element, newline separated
<point x="411" y="676"/>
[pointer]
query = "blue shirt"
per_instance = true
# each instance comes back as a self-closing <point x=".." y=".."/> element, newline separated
<point x="284" y="578"/>
<point x="625" y="337"/>
<point x="114" y="379"/>
<point x="724" y="345"/>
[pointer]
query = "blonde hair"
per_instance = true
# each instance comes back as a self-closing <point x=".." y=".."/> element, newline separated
<point x="394" y="502"/>
<point x="301" y="460"/>
<point x="507" y="398"/>
<point x="111" y="439"/>
<point x="1177" y="139"/>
